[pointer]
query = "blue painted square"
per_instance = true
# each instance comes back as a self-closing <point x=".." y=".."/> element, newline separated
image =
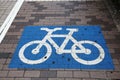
<point x="68" y="47"/>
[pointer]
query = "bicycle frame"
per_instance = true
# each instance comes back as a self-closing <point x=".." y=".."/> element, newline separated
<point x="68" y="37"/>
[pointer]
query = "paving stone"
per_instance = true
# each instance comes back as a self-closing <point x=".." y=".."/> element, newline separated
<point x="119" y="60"/>
<point x="92" y="79"/>
<point x="2" y="61"/>
<point x="9" y="50"/>
<point x="22" y="78"/>
<point x="99" y="74"/>
<point x="5" y="67"/>
<point x="81" y="74"/>
<point x="56" y="79"/>
<point x="64" y="74"/>
<point x="8" y="60"/>
<point x="39" y="78"/>
<point x="2" y="49"/>
<point x="32" y="74"/>
<point x="6" y="78"/>
<point x="116" y="61"/>
<point x="113" y="75"/>
<point x="49" y="74"/>
<point x="1" y="66"/>
<point x="4" y="55"/>
<point x="117" y="67"/>
<point x="73" y="79"/>
<point x="15" y="73"/>
<point x="3" y="73"/>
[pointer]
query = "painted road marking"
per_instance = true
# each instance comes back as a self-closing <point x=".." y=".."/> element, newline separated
<point x="62" y="47"/>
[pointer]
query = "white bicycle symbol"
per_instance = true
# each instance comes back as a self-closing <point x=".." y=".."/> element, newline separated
<point x="61" y="49"/>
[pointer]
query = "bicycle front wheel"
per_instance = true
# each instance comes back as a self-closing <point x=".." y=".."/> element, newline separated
<point x="88" y="62"/>
<point x="29" y="61"/>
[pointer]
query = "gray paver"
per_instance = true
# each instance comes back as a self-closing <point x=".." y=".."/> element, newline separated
<point x="32" y="74"/>
<point x="39" y="78"/>
<point x="81" y="74"/>
<point x="3" y="73"/>
<point x="113" y="75"/>
<point x="6" y="78"/>
<point x="5" y="67"/>
<point x="2" y="61"/>
<point x="48" y="73"/>
<point x="1" y="66"/>
<point x="64" y="74"/>
<point x="15" y="73"/>
<point x="117" y="67"/>
<point x="56" y="79"/>
<point x="22" y="78"/>
<point x="8" y="61"/>
<point x="92" y="79"/>
<point x="116" y="61"/>
<point x="73" y="79"/>
<point x="100" y="74"/>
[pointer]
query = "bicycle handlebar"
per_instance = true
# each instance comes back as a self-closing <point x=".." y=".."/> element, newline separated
<point x="75" y="30"/>
<point x="47" y="29"/>
<point x="55" y="29"/>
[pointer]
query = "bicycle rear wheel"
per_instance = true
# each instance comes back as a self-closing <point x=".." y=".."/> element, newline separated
<point x="87" y="62"/>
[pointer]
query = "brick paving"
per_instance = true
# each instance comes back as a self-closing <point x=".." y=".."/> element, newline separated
<point x="114" y="12"/>
<point x="60" y="13"/>
<point x="5" y="8"/>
